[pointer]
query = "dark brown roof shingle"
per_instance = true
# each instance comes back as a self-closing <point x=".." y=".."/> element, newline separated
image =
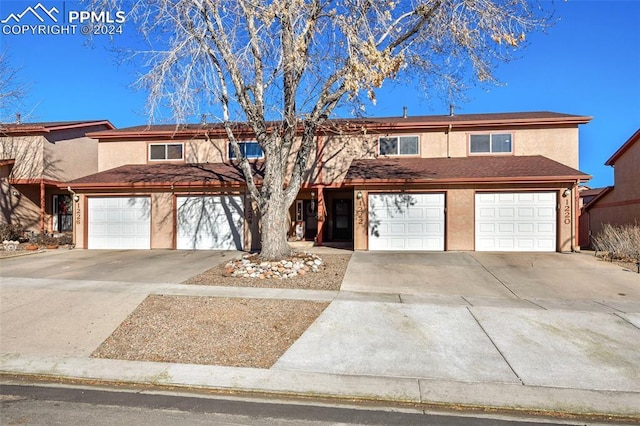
<point x="140" y="175"/>
<point x="467" y="169"/>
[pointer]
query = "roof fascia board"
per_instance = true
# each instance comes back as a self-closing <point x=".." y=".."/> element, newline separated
<point x="527" y="179"/>
<point x="625" y="146"/>
<point x="151" y="185"/>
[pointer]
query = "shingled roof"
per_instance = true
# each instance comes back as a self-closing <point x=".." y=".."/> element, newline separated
<point x="379" y="124"/>
<point x="460" y="169"/>
<point x="167" y="175"/>
<point x="9" y="129"/>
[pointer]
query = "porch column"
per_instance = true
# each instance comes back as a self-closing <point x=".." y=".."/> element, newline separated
<point x="42" y="201"/>
<point x="321" y="215"/>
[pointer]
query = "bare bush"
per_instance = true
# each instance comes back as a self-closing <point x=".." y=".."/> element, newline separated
<point x="619" y="242"/>
<point x="12" y="232"/>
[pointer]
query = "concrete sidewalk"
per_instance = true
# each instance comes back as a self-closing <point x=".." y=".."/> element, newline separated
<point x="579" y="357"/>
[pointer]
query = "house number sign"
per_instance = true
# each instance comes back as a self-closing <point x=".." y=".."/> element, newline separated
<point x="77" y="213"/>
<point x="567" y="212"/>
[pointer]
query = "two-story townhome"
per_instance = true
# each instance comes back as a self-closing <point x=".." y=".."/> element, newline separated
<point x="35" y="158"/>
<point x="498" y="182"/>
<point x="618" y="204"/>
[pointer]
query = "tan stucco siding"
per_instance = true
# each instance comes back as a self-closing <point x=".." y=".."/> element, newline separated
<point x="559" y="144"/>
<point x="70" y="159"/>
<point x="203" y="151"/>
<point x="460" y="219"/>
<point x="621" y="205"/>
<point x="162" y="220"/>
<point x="21" y="209"/>
<point x="116" y="154"/>
<point x="627" y="175"/>
<point x="28" y="154"/>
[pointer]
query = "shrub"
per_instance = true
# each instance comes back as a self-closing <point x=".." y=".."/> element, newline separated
<point x="65" y="239"/>
<point x="620" y="242"/>
<point x="12" y="232"/>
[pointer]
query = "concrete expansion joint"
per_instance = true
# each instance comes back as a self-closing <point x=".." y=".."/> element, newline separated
<point x="496" y="347"/>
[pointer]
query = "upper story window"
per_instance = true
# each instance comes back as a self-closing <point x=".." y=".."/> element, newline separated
<point x="250" y="150"/>
<point x="489" y="143"/>
<point x="398" y="145"/>
<point x="166" y="151"/>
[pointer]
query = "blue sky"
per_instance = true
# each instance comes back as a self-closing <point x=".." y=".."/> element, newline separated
<point x="586" y="64"/>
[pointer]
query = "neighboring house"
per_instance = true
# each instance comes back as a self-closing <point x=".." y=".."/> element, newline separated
<point x="586" y="194"/>
<point x="35" y="158"/>
<point x="618" y="204"/>
<point x="497" y="182"/>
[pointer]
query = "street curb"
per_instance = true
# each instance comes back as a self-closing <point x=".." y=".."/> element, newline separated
<point x="398" y="391"/>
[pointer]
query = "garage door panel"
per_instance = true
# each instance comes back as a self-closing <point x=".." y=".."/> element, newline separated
<point x="406" y="222"/>
<point x="210" y="223"/>
<point x="520" y="221"/>
<point x="119" y="223"/>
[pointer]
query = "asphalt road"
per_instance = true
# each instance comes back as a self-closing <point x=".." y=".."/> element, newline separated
<point x="53" y="405"/>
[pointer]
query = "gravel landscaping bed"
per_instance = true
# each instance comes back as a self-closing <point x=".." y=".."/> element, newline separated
<point x="329" y="276"/>
<point x="209" y="330"/>
<point x="223" y="331"/>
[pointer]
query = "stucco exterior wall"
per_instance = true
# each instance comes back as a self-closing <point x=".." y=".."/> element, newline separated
<point x="460" y="219"/>
<point x="22" y="209"/>
<point x="27" y="151"/>
<point x="70" y="159"/>
<point x="337" y="152"/>
<point x="203" y="151"/>
<point x="162" y="220"/>
<point x="621" y="205"/>
<point x="116" y="154"/>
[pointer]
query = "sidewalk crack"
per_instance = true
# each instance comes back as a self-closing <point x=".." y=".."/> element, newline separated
<point x="496" y="346"/>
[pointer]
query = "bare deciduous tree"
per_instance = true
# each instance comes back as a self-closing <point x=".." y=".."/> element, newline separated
<point x="12" y="89"/>
<point x="281" y="67"/>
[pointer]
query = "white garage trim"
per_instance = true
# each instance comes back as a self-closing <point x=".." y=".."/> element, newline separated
<point x="516" y="221"/>
<point x="406" y="222"/>
<point x="119" y="223"/>
<point x="210" y="222"/>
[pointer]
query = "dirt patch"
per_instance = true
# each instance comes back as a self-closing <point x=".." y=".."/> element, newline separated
<point x="211" y="331"/>
<point x="328" y="277"/>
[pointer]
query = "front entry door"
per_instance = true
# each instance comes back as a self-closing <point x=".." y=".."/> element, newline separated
<point x="342" y="226"/>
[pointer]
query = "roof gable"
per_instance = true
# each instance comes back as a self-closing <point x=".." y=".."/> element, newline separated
<point x="624" y="148"/>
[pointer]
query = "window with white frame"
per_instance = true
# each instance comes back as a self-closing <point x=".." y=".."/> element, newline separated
<point x="398" y="145"/>
<point x="166" y="151"/>
<point x="489" y="143"/>
<point x="249" y="150"/>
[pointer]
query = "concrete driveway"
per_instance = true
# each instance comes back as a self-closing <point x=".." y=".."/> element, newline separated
<point x="550" y="320"/>
<point x="67" y="302"/>
<point x="503" y="279"/>
<point x="147" y="266"/>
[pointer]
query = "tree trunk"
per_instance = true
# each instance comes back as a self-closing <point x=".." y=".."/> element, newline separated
<point x="274" y="224"/>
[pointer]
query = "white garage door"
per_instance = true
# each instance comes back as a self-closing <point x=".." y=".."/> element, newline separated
<point x="210" y="223"/>
<point x="516" y="221"/>
<point x="406" y="222"/>
<point x="119" y="223"/>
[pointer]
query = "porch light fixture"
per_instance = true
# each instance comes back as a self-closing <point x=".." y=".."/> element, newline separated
<point x="15" y="193"/>
<point x="76" y="198"/>
<point x="566" y="192"/>
<point x="359" y="195"/>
